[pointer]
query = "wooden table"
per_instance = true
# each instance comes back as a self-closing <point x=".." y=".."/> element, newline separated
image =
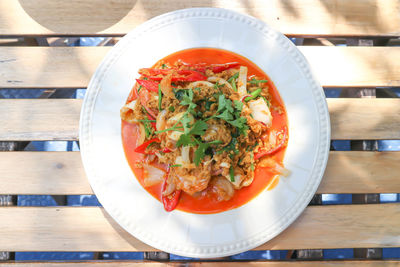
<point x="322" y="23"/>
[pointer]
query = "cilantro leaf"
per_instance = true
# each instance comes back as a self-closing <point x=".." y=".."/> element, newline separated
<point x="200" y="153"/>
<point x="199" y="127"/>
<point x="238" y="105"/>
<point x="187" y="98"/>
<point x="185" y="140"/>
<point x="226" y="116"/>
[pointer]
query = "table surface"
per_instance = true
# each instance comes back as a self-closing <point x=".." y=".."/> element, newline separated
<point x="343" y="41"/>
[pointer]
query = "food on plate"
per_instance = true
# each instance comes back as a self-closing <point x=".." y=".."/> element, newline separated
<point x="204" y="130"/>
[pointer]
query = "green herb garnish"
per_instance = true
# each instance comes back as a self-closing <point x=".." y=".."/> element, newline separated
<point x="146" y="120"/>
<point x="257" y="81"/>
<point x="232" y="81"/>
<point x="159" y="97"/>
<point x="171" y="108"/>
<point x="253" y="95"/>
<point x="200" y="153"/>
<point x="176" y="165"/>
<point x="231" y="114"/>
<point x="232" y="174"/>
<point x="234" y="77"/>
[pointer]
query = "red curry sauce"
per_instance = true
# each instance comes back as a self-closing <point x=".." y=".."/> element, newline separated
<point x="208" y="203"/>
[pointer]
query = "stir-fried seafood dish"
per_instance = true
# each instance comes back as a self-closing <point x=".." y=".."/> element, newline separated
<point x="201" y="132"/>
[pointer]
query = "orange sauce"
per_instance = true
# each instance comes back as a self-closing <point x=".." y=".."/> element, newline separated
<point x="208" y="203"/>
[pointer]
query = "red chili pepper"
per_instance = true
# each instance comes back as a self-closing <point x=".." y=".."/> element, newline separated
<point x="216" y="68"/>
<point x="189" y="76"/>
<point x="150" y="117"/>
<point x="149" y="85"/>
<point x="171" y="201"/>
<point x="166" y="150"/>
<point x="263" y="153"/>
<point x="142" y="147"/>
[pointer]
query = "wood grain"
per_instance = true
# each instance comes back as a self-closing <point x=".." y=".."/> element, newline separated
<point x="366" y="118"/>
<point x="72" y="67"/>
<point x="97" y="17"/>
<point x="58" y="119"/>
<point x="36" y="120"/>
<point x="57" y="229"/>
<point x="348" y="263"/>
<point x="356" y="172"/>
<point x="61" y="173"/>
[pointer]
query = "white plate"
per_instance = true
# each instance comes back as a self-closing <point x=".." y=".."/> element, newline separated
<point x="229" y="232"/>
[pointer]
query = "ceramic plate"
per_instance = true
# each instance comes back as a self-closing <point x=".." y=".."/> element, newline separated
<point x="229" y="232"/>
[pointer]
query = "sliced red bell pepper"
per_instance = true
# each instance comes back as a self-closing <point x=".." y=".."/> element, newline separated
<point x="149" y="85"/>
<point x="153" y="72"/>
<point x="171" y="201"/>
<point x="189" y="76"/>
<point x="275" y="149"/>
<point x="142" y="147"/>
<point x="216" y="68"/>
<point x="166" y="150"/>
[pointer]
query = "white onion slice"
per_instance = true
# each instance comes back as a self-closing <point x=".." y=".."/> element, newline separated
<point x="169" y="190"/>
<point x="142" y="135"/>
<point x="152" y="175"/>
<point x="186" y="155"/>
<point x="260" y="111"/>
<point x="200" y="83"/>
<point x="220" y="81"/>
<point x="242" y="81"/>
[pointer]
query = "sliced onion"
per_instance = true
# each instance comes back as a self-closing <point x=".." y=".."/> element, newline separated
<point x="186" y="154"/>
<point x="160" y="121"/>
<point x="272" y="138"/>
<point x="282" y="170"/>
<point x="200" y="83"/>
<point x="142" y="135"/>
<point x="274" y="166"/>
<point x="260" y="111"/>
<point x="169" y="190"/>
<point x="152" y="175"/>
<point x="224" y="165"/>
<point x="248" y="181"/>
<point x="152" y="114"/>
<point x="165" y="86"/>
<point x="220" y="81"/>
<point x="242" y="81"/>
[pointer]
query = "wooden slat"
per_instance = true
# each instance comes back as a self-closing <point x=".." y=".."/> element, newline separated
<point x="72" y="67"/>
<point x="46" y="173"/>
<point x="58" y="119"/>
<point x="44" y="119"/>
<point x="365" y="172"/>
<point x="57" y="229"/>
<point x="61" y="173"/>
<point x="98" y="17"/>
<point x="364" y="118"/>
<point x="48" y="67"/>
<point x="348" y="263"/>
